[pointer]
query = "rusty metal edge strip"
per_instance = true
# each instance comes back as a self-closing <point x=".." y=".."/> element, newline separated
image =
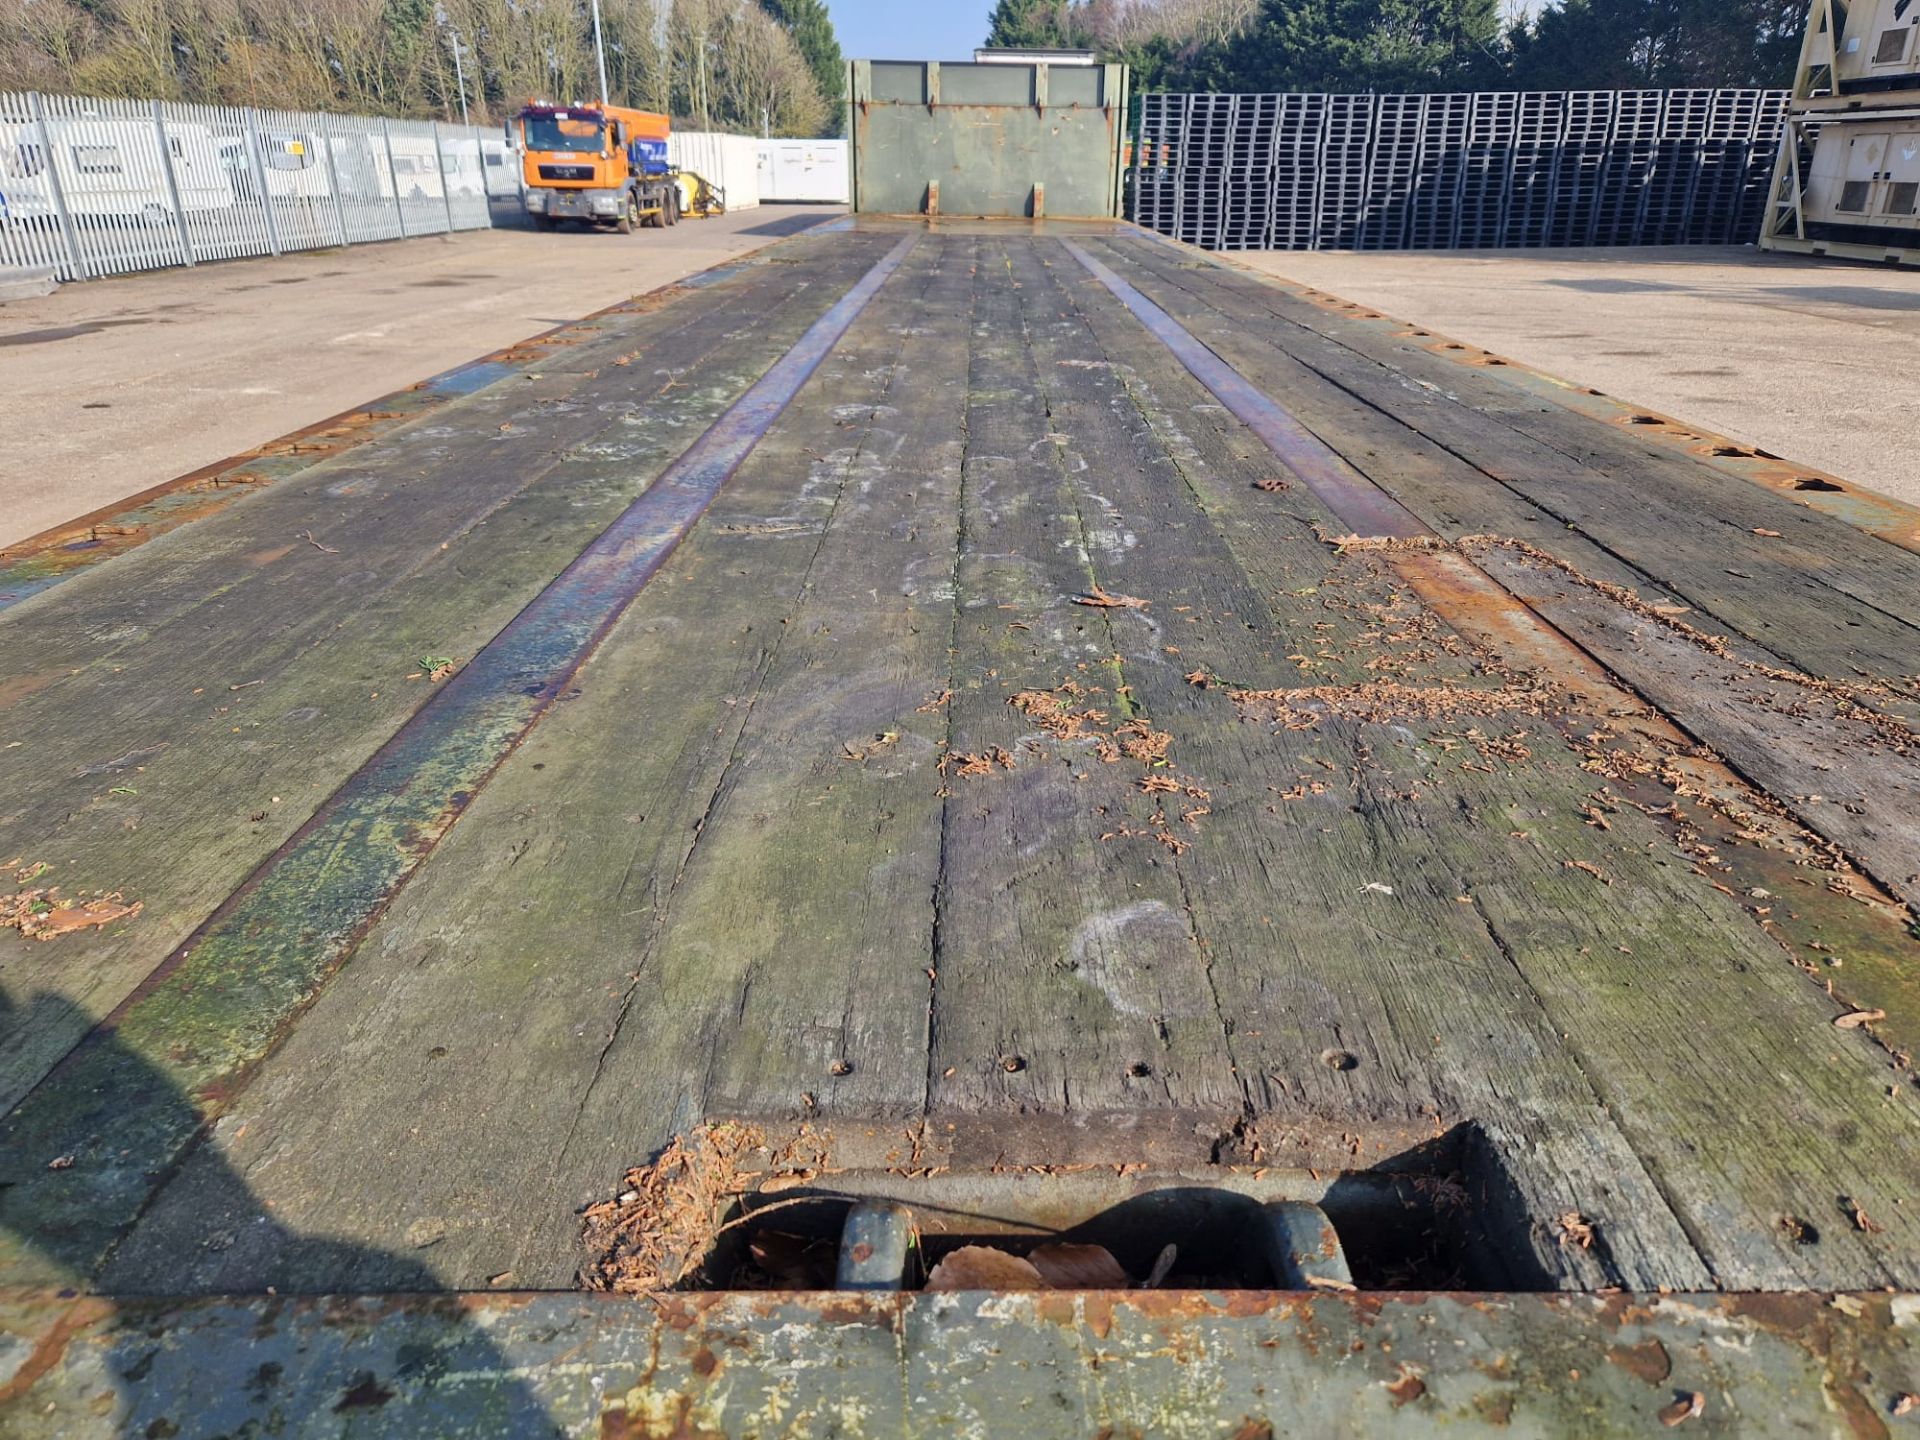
<point x="1895" y="521"/>
<point x="130" y="1098"/>
<point x="1407" y="1363"/>
<point x="1342" y="489"/>
<point x="78" y="543"/>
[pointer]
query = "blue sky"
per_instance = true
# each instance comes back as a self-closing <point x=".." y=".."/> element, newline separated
<point x="922" y="29"/>
<point x="909" y="29"/>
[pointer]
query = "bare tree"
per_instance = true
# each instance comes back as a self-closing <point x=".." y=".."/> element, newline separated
<point x="765" y="82"/>
<point x="719" y="63"/>
<point x="43" y="43"/>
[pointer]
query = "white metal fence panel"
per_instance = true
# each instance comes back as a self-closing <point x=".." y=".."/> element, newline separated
<point x="96" y="187"/>
<point x="35" y="232"/>
<point x="101" y="171"/>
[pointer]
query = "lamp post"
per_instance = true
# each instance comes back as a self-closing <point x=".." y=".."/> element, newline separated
<point x="459" y="69"/>
<point x="599" y="52"/>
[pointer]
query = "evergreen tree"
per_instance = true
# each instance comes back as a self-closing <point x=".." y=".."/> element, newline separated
<point x="1581" y="44"/>
<point x="1036" y="24"/>
<point x="811" y="27"/>
<point x="405" y="25"/>
<point x="1355" y="45"/>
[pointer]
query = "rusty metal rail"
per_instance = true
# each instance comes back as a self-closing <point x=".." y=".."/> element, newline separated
<point x="1036" y="1364"/>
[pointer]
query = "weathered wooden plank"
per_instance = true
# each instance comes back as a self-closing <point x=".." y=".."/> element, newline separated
<point x="1880" y="830"/>
<point x="1851" y="771"/>
<point x="1072" y="1016"/>
<point x="514" y="999"/>
<point x="225" y="1000"/>
<point x="1804" y="585"/>
<point x="78" y="545"/>
<point x="389" y="498"/>
<point x="788" y="980"/>
<point x="1635" y="1020"/>
<point x="1330" y="932"/>
<point x="135" y="783"/>
<point x="684" y="895"/>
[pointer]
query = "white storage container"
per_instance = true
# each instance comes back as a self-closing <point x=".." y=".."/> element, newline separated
<point x="814" y="171"/>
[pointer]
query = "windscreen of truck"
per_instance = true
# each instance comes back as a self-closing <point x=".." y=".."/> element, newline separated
<point x="562" y="132"/>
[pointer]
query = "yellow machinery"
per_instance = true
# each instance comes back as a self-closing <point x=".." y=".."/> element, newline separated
<point x="699" y="197"/>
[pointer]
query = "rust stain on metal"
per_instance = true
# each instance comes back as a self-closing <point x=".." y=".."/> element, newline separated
<point x="648" y="1414"/>
<point x="50" y="1348"/>
<point x="1646" y="1361"/>
<point x="1406" y="1388"/>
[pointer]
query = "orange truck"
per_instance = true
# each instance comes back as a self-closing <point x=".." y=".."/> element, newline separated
<point x="603" y="165"/>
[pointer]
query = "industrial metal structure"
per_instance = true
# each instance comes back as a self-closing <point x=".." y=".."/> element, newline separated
<point x="92" y="187"/>
<point x="1497" y="169"/>
<point x="1847" y="178"/>
<point x="993" y="139"/>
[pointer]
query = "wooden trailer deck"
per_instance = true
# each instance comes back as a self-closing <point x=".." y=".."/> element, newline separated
<point x="986" y="701"/>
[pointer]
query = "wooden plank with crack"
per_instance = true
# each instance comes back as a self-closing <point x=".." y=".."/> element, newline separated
<point x="1072" y="1019"/>
<point x="1848" y="767"/>
<point x="535" y="1014"/>
<point x="1653" y="939"/>
<point x="1373" y="1013"/>
<point x="788" y="981"/>
<point x="1806" y="586"/>
<point x="946" y="681"/>
<point x="1770" y="742"/>
<point x="179" y="758"/>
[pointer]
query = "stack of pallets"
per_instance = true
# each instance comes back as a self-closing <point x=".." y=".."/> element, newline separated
<point x="1620" y="209"/>
<point x="1153" y="185"/>
<point x="1296" y="171"/>
<point x="1486" y="171"/>
<point x="1436" y="213"/>
<point x="1423" y="172"/>
<point x="1341" y="197"/>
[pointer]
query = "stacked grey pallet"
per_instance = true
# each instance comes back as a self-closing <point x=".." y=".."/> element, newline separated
<point x="1423" y="172"/>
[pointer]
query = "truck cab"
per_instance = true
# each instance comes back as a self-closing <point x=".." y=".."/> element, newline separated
<point x="603" y="165"/>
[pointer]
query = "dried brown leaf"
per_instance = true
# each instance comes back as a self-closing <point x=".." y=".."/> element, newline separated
<point x="1101" y="599"/>
<point x="981" y="1267"/>
<point x="1080" y="1267"/>
<point x="1854" y="1019"/>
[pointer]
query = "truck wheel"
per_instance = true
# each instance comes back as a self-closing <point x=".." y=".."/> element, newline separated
<point x="629" y="215"/>
<point x="670" y="210"/>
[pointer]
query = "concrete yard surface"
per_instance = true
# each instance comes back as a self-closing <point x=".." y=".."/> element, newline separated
<point x="1813" y="359"/>
<point x="114" y="386"/>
